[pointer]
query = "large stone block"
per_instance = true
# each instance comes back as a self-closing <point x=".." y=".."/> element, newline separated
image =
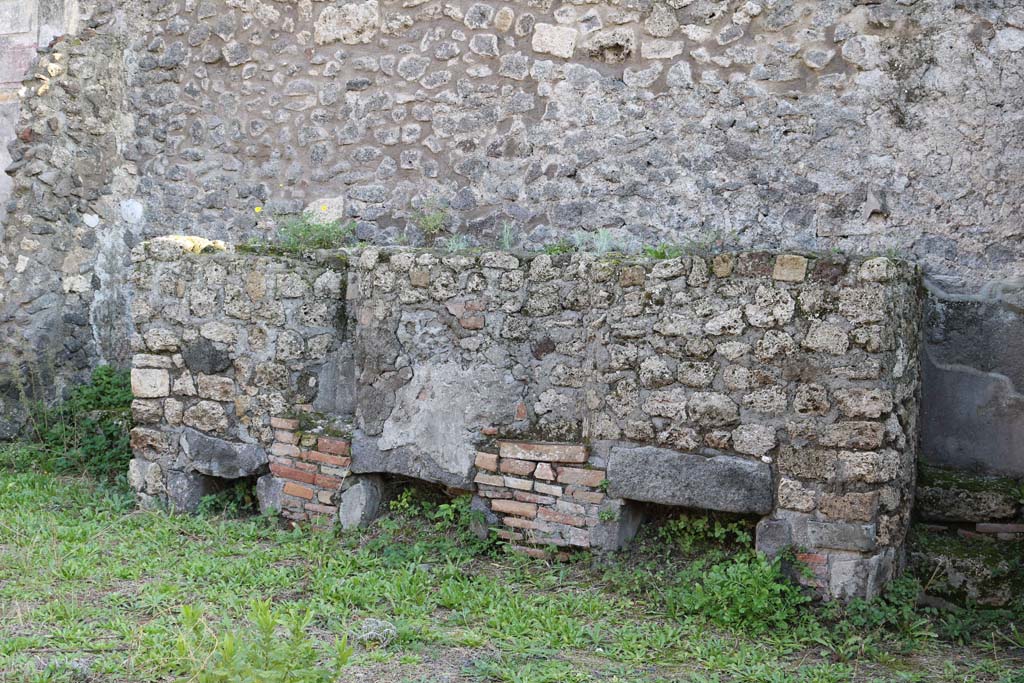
<point x="220" y="458"/>
<point x="667" y="477"/>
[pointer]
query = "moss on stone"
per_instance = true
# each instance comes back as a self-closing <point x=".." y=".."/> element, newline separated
<point x="941" y="478"/>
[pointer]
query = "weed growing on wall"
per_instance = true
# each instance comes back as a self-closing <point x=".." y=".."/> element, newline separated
<point x="298" y="234"/>
<point x="431" y="219"/>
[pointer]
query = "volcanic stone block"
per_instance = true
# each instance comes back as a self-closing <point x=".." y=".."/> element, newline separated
<point x="220" y="458"/>
<point x="667" y="477"/>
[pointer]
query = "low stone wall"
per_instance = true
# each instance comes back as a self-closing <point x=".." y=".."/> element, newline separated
<point x="563" y="390"/>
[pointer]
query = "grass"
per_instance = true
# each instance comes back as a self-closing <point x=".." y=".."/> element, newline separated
<point x="92" y="589"/>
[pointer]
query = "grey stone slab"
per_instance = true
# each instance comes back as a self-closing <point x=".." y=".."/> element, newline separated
<point x="661" y="475"/>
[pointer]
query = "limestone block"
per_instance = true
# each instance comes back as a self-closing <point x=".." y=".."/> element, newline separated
<point x="352" y="24"/>
<point x="559" y="41"/>
<point x="150" y="382"/>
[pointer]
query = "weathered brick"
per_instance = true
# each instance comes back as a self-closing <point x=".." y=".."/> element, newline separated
<point x="328" y="482"/>
<point x="489" y="479"/>
<point x="297" y="490"/>
<point x="518" y="484"/>
<point x="549" y="515"/>
<point x="571" y="508"/>
<point x="576" y="475"/>
<point x="509" y="535"/>
<point x="584" y="495"/>
<point x="284" y="449"/>
<point x="548" y="452"/>
<point x="284" y="423"/>
<point x="321" y="509"/>
<point x="520" y="523"/>
<point x="523" y="468"/>
<point x="326" y="459"/>
<point x="547" y="489"/>
<point x="282" y="436"/>
<point x="333" y="446"/>
<point x="494" y="493"/>
<point x="527" y="497"/>
<point x="292" y="473"/>
<point x="544" y="471"/>
<point x="513" y="507"/>
<point x="486" y="461"/>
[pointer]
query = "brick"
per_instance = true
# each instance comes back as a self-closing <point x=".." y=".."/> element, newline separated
<point x="326" y="459"/>
<point x="325" y="497"/>
<point x="333" y="446"/>
<point x="486" y="461"/>
<point x="489" y="431"/>
<point x="513" y="507"/>
<point x="284" y="449"/>
<point x="535" y="553"/>
<point x="519" y="484"/>
<point x="520" y="523"/>
<point x="544" y="471"/>
<point x="526" y="497"/>
<point x="509" y="535"/>
<point x="284" y="423"/>
<point x="489" y="479"/>
<point x="282" y="436"/>
<point x="549" y="515"/>
<point x="523" y="468"/>
<point x="547" y="489"/>
<point x="542" y="451"/>
<point x="576" y="475"/>
<point x="328" y="482"/>
<point x="812" y="558"/>
<point x="292" y="473"/>
<point x="494" y="493"/>
<point x="335" y="471"/>
<point x="321" y="509"/>
<point x="584" y="495"/>
<point x="297" y="490"/>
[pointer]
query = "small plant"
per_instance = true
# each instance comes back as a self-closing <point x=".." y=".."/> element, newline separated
<point x="271" y="649"/>
<point x="663" y="251"/>
<point x="560" y="247"/>
<point x="430" y="219"/>
<point x="748" y="593"/>
<point x="456" y="243"/>
<point x="688" y="531"/>
<point x="604" y="241"/>
<point x="234" y="501"/>
<point x="298" y="234"/>
<point x="508" y="236"/>
<point x="607" y="515"/>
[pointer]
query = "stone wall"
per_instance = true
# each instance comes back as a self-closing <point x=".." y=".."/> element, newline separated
<point x="222" y="344"/>
<point x="778" y="124"/>
<point x="565" y="391"/>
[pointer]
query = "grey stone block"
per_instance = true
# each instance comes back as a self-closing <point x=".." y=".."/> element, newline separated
<point x="219" y="458"/>
<point x="361" y="502"/>
<point x="841" y="535"/>
<point x="409" y="461"/>
<point x="660" y="475"/>
<point x="268" y="493"/>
